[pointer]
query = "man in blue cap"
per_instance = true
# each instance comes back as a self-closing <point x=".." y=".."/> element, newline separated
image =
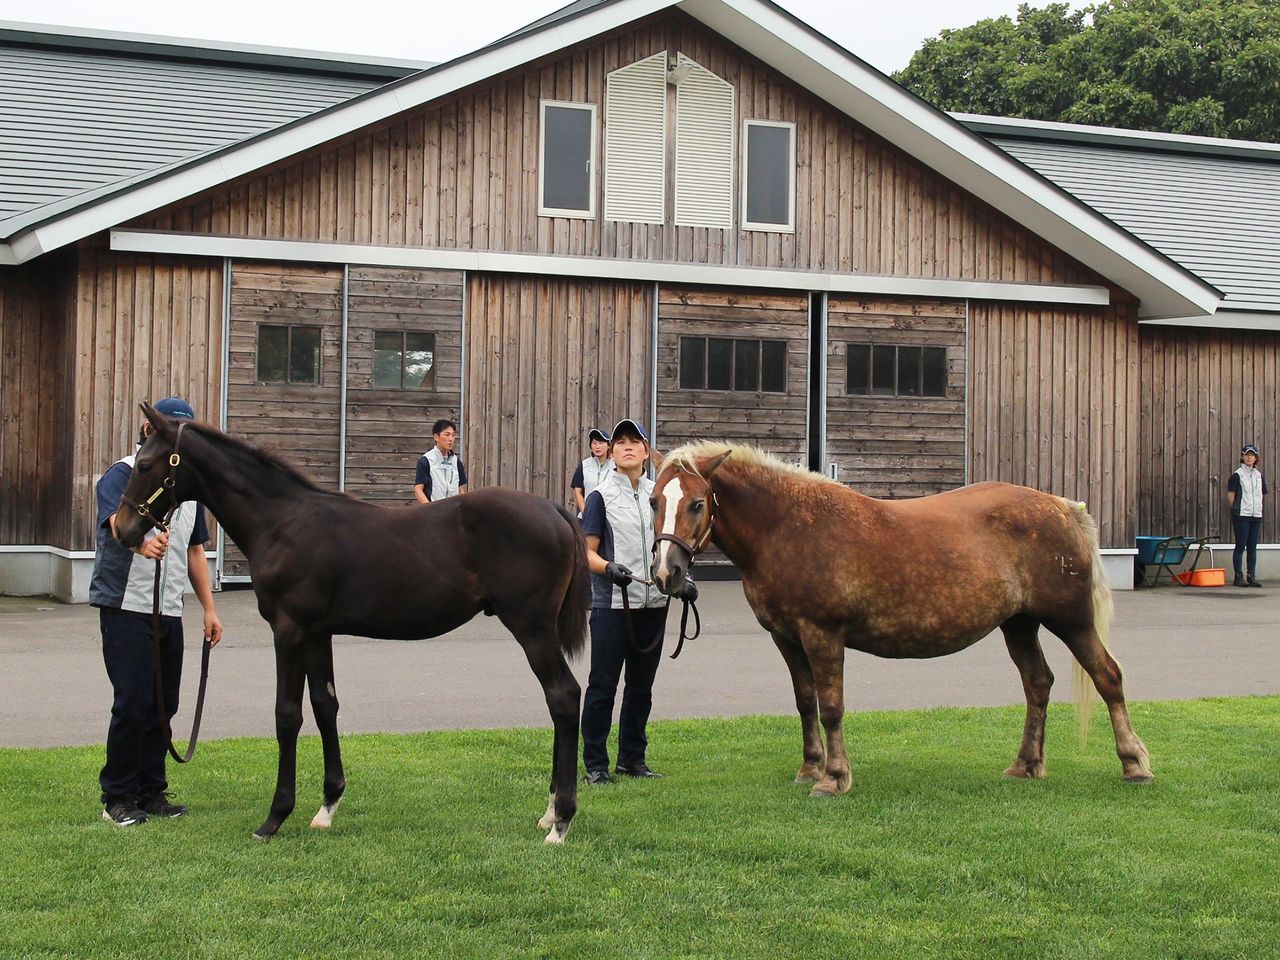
<point x="134" y="786"/>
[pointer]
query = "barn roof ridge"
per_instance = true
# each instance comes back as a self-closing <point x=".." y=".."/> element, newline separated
<point x="762" y="29"/>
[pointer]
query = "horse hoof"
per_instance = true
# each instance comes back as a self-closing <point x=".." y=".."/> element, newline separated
<point x="808" y="775"/>
<point x="547" y="821"/>
<point x="1140" y="778"/>
<point x="802" y="778"/>
<point x="829" y="788"/>
<point x="557" y="834"/>
<point x="323" y="819"/>
<point x="262" y="833"/>
<point x="1022" y="771"/>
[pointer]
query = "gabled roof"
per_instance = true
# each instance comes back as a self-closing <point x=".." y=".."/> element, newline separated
<point x="85" y="110"/>
<point x="1211" y="205"/>
<point x="763" y="30"/>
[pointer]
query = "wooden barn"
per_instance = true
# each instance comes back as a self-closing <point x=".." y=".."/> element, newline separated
<point x="701" y="214"/>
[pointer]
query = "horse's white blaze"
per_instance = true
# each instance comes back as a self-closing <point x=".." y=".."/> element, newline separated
<point x="323" y="819"/>
<point x="673" y="492"/>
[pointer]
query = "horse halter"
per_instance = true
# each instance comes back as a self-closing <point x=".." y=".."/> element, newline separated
<point x="168" y="483"/>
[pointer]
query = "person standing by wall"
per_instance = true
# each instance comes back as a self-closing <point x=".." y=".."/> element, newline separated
<point x="1245" y="490"/>
<point x="618" y="524"/>
<point x="593" y="470"/>
<point x="441" y="472"/>
<point x="133" y="781"/>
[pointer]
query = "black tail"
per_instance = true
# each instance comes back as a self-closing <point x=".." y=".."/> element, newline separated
<point x="571" y="626"/>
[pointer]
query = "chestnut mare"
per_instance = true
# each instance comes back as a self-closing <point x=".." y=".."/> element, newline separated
<point x="825" y="568"/>
<point x="326" y="563"/>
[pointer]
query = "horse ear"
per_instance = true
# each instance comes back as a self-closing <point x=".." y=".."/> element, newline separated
<point x="159" y="422"/>
<point x="713" y="464"/>
<point x="656" y="458"/>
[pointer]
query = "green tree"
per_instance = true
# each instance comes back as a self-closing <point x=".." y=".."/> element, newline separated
<point x="1204" y="67"/>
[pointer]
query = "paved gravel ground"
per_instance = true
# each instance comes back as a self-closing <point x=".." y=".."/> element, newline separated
<point x="1174" y="643"/>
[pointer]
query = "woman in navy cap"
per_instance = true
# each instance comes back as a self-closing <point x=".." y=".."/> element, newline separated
<point x="1245" y="490"/>
<point x="618" y="524"/>
<point x="592" y="471"/>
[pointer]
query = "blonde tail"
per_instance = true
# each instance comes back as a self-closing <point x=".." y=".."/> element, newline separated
<point x="1103" y="609"/>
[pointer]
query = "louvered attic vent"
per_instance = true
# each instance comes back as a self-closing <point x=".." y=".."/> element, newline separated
<point x="635" y="141"/>
<point x="704" y="148"/>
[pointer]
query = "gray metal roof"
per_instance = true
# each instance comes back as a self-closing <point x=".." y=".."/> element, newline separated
<point x="75" y="120"/>
<point x="1213" y="206"/>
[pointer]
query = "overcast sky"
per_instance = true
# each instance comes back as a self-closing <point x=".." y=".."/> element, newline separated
<point x="883" y="33"/>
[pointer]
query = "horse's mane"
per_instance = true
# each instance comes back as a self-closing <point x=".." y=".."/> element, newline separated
<point x="688" y="455"/>
<point x="267" y="459"/>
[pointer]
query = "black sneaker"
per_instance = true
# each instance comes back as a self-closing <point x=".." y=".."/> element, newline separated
<point x="1253" y="582"/>
<point x="158" y="805"/>
<point x="1239" y="580"/>
<point x="639" y="770"/>
<point x="597" y="777"/>
<point x="124" y="813"/>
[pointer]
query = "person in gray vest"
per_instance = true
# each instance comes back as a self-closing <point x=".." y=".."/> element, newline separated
<point x="1245" y="490"/>
<point x="592" y="471"/>
<point x="441" y="472"/>
<point x="617" y="521"/>
<point x="133" y="782"/>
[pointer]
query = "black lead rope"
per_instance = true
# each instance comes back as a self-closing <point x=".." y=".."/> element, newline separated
<point x="157" y="627"/>
<point x="684" y="623"/>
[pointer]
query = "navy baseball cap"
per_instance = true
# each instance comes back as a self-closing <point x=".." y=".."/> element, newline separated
<point x="597" y="434"/>
<point x="174" y="407"/>
<point x="631" y="428"/>
<point x="1249" y="448"/>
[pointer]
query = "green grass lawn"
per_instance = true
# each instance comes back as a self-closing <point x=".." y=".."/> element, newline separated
<point x="435" y="851"/>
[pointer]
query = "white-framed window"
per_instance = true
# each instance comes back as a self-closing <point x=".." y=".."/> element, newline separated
<point x="769" y="176"/>
<point x="635" y="148"/>
<point x="704" y="147"/>
<point x="567" y="160"/>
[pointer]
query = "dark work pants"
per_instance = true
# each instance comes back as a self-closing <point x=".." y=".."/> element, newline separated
<point x="136" y="739"/>
<point x="611" y="650"/>
<point x="1248" y="532"/>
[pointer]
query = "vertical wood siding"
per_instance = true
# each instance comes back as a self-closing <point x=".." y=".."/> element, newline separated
<point x="548" y="359"/>
<point x="772" y="421"/>
<point x="462" y="173"/>
<point x="896" y="446"/>
<point x="1204" y="393"/>
<point x="37" y="402"/>
<point x="389" y="429"/>
<point x="297" y="421"/>
<point x="146" y="327"/>
<point x="1053" y="404"/>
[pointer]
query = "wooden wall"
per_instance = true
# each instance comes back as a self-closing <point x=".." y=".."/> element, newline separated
<point x="145" y="327"/>
<point x="772" y="421"/>
<point x="37" y="401"/>
<point x="1204" y="393"/>
<point x="896" y="446"/>
<point x="389" y="429"/>
<point x="1053" y="404"/>
<point x="547" y="359"/>
<point x="462" y="173"/>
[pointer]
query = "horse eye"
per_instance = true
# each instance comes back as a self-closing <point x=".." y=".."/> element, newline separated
<point x="697" y="505"/>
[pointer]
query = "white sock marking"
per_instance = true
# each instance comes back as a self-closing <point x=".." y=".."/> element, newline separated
<point x="323" y="819"/>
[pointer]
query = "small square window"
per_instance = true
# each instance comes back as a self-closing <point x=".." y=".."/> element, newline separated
<point x="567" y="160"/>
<point x="288" y="354"/>
<point x="404" y="360"/>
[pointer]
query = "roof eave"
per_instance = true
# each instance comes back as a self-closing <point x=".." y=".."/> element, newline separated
<point x="853" y="86"/>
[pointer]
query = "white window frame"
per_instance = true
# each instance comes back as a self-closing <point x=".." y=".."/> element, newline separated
<point x="543" y="209"/>
<point x="790" y="226"/>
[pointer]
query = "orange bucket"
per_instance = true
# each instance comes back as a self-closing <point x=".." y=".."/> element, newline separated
<point x="1208" y="577"/>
